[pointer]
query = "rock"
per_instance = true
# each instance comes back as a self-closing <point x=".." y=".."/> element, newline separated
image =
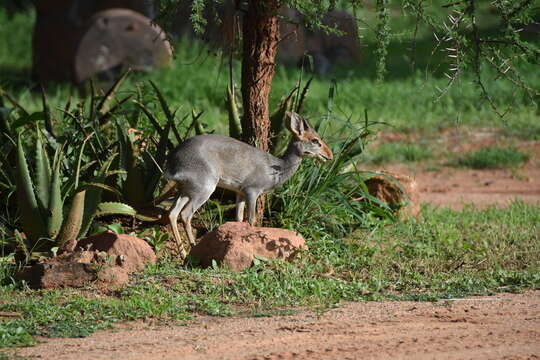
<point x="120" y="37"/>
<point x="235" y="245"/>
<point x="72" y="274"/>
<point x="399" y="191"/>
<point x="104" y="260"/>
<point x="130" y="252"/>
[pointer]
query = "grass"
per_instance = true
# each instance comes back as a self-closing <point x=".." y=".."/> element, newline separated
<point x="399" y="152"/>
<point x="492" y="158"/>
<point x="446" y="254"/>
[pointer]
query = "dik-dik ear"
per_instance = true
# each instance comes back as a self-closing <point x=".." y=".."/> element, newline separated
<point x="296" y="124"/>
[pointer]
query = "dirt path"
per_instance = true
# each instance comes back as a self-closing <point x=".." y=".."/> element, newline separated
<point x="505" y="326"/>
<point x="455" y="187"/>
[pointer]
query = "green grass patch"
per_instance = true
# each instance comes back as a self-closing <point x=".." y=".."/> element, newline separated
<point x="446" y="254"/>
<point x="492" y="158"/>
<point x="399" y="152"/>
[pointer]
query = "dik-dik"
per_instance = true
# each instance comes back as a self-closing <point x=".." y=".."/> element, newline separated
<point x="204" y="162"/>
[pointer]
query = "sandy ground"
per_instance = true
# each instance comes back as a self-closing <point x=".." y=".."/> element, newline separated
<point x="455" y="187"/>
<point x="505" y="326"/>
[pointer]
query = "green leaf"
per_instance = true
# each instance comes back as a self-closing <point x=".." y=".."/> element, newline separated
<point x="43" y="172"/>
<point x="55" y="206"/>
<point x="163" y="102"/>
<point x="31" y="217"/>
<point x="47" y="113"/>
<point x="72" y="226"/>
<point x="28" y="119"/>
<point x="93" y="195"/>
<point x="115" y="208"/>
<point x="103" y="105"/>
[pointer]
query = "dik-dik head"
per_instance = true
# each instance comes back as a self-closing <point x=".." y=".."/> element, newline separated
<point x="308" y="143"/>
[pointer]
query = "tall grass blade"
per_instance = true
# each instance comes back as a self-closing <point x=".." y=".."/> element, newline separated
<point x="300" y="105"/>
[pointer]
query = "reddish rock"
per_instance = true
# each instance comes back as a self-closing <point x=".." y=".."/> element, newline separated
<point x="130" y="252"/>
<point x="103" y="260"/>
<point x="72" y="274"/>
<point x="235" y="245"/>
<point x="399" y="191"/>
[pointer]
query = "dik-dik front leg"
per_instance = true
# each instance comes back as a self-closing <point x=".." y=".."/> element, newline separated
<point x="240" y="205"/>
<point x="251" y="199"/>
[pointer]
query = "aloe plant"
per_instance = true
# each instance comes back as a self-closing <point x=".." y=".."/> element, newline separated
<point x="55" y="209"/>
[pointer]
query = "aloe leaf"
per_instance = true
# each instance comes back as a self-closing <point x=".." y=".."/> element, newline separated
<point x="235" y="125"/>
<point x="5" y="126"/>
<point x="133" y="192"/>
<point x="174" y="128"/>
<point x="147" y="218"/>
<point x="55" y="206"/>
<point x="27" y="119"/>
<point x="103" y="118"/>
<point x="163" y="102"/>
<point x="12" y="100"/>
<point x="31" y="217"/>
<point x="149" y="115"/>
<point x="92" y="185"/>
<point x="115" y="208"/>
<point x="73" y="223"/>
<point x="199" y="129"/>
<point x="43" y="172"/>
<point x="47" y="112"/>
<point x="93" y="196"/>
<point x="103" y="105"/>
<point x="67" y="107"/>
<point x="79" y="159"/>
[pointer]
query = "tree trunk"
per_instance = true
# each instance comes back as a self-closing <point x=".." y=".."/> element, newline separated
<point x="260" y="39"/>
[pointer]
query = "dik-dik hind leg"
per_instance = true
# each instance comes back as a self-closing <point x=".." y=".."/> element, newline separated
<point x="240" y="204"/>
<point x="179" y="204"/>
<point x="197" y="197"/>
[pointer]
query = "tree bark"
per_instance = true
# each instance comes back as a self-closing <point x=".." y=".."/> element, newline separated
<point x="260" y="40"/>
<point x="260" y="32"/>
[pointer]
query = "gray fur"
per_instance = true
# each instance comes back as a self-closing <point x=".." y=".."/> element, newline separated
<point x="204" y="162"/>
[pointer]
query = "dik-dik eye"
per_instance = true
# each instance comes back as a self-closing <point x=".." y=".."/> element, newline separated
<point x="316" y="142"/>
